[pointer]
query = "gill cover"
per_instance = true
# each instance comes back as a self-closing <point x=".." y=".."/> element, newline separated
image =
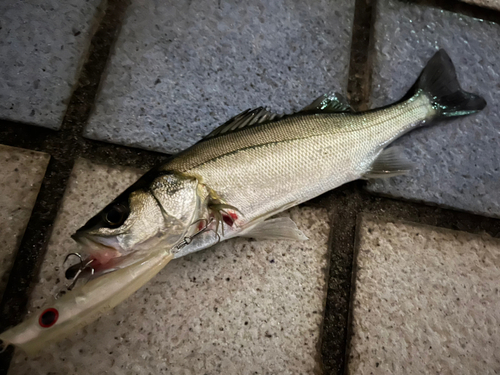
<point x="152" y="212"/>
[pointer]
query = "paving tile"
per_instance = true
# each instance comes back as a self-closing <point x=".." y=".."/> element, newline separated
<point x="458" y="162"/>
<point x="426" y="301"/>
<point x="493" y="4"/>
<point x="241" y="307"/>
<point x="42" y="45"/>
<point x="180" y="69"/>
<point x="21" y="175"/>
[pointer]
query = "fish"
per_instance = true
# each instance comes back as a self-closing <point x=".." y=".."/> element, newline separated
<point x="232" y="183"/>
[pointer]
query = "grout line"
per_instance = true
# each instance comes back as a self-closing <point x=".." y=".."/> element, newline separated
<point x="345" y="204"/>
<point x="354" y="272"/>
<point x="83" y="96"/>
<point x="113" y="154"/>
<point x="434" y="216"/>
<point x="359" y="82"/>
<point x="25" y="136"/>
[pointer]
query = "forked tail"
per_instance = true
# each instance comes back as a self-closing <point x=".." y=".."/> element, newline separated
<point x="439" y="81"/>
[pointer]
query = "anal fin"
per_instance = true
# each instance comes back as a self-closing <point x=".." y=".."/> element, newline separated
<point x="389" y="163"/>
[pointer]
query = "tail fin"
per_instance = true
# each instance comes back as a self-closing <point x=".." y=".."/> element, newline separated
<point x="439" y="81"/>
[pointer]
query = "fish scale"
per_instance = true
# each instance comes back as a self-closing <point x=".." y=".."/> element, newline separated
<point x="262" y="168"/>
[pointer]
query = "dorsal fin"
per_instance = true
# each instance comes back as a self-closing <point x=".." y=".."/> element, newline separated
<point x="327" y="103"/>
<point x="246" y="118"/>
<point x="333" y="102"/>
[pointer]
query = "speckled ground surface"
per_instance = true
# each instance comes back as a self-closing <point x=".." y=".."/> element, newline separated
<point x="180" y="69"/>
<point x="426" y="300"/>
<point x="241" y="307"/>
<point x="42" y="47"/>
<point x="21" y="175"/>
<point x="457" y="162"/>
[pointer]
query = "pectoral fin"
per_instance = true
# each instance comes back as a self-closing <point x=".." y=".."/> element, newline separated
<point x="390" y="162"/>
<point x="280" y="228"/>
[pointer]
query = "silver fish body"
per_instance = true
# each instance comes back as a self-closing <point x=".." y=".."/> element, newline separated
<point x="266" y="169"/>
<point x="259" y="170"/>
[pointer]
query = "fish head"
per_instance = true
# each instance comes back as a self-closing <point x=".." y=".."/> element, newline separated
<point x="157" y="210"/>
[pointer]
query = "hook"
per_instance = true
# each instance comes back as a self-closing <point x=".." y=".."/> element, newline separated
<point x="74" y="254"/>
<point x="79" y="272"/>
<point x="187" y="240"/>
<point x="80" y="267"/>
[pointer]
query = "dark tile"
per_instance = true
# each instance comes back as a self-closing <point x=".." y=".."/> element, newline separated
<point x="42" y="45"/>
<point x="180" y="69"/>
<point x="458" y="162"/>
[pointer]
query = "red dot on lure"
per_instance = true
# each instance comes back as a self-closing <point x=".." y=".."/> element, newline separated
<point x="48" y="318"/>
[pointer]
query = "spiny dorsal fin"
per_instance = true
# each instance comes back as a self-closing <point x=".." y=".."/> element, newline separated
<point x="327" y="103"/>
<point x="333" y="102"/>
<point x="246" y="118"/>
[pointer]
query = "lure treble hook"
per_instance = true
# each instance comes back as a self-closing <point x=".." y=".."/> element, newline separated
<point x="76" y="270"/>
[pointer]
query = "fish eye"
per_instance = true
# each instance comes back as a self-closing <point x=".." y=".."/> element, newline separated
<point x="48" y="318"/>
<point x="116" y="215"/>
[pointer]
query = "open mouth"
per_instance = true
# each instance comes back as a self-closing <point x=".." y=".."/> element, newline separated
<point x="100" y="255"/>
<point x="101" y="249"/>
<point x="98" y="258"/>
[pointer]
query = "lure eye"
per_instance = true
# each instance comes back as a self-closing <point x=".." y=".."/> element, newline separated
<point x="48" y="318"/>
<point x="116" y="216"/>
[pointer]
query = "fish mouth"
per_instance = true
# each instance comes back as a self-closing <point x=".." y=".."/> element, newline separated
<point x="101" y="249"/>
<point x="102" y="255"/>
<point x="97" y="258"/>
